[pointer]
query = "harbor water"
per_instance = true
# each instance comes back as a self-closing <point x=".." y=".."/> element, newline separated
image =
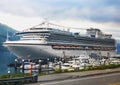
<point x="5" y="59"/>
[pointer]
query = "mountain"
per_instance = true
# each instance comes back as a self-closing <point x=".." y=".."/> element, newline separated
<point x="6" y="57"/>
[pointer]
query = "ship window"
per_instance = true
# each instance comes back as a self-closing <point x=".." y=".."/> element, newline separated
<point x="92" y="36"/>
<point x="50" y="28"/>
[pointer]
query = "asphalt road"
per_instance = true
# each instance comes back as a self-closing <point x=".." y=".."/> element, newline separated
<point x="107" y="79"/>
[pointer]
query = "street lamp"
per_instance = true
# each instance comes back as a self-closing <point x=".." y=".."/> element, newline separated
<point x="29" y="60"/>
<point x="108" y="55"/>
<point x="60" y="65"/>
<point x="39" y="65"/>
<point x="48" y="64"/>
<point x="23" y="66"/>
<point x="100" y="58"/>
<point x="9" y="73"/>
<point x="62" y="60"/>
<point x="54" y="60"/>
<point x="15" y="65"/>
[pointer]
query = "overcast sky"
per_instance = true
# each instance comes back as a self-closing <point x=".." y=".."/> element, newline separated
<point x="102" y="14"/>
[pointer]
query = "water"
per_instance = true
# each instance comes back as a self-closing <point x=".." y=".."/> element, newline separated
<point x="5" y="59"/>
<point x="4" y="69"/>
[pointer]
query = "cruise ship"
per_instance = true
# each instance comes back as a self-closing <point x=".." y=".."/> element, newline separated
<point x="44" y="41"/>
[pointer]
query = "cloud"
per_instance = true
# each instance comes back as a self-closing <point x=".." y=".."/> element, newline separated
<point x="16" y="7"/>
<point x="103" y="14"/>
<point x="19" y="22"/>
<point x="95" y="10"/>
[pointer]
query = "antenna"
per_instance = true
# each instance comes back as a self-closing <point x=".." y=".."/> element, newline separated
<point x="47" y="24"/>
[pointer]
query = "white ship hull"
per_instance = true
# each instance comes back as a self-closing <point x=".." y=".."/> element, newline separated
<point x="39" y="50"/>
